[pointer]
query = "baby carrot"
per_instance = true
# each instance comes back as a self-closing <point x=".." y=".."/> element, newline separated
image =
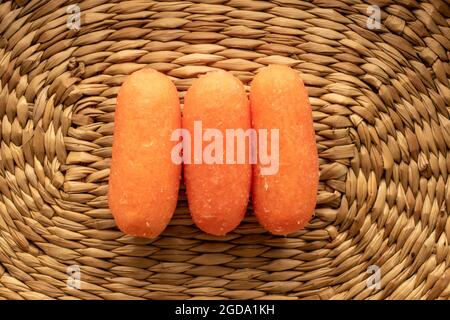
<point x="284" y="202"/>
<point x="217" y="189"/>
<point x="143" y="182"/>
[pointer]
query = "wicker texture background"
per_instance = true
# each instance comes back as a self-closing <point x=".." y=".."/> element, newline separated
<point x="381" y="103"/>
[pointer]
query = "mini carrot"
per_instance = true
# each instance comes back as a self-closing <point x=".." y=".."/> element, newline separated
<point x="284" y="201"/>
<point x="217" y="189"/>
<point x="143" y="182"/>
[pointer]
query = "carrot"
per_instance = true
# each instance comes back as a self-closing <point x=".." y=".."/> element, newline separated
<point x="143" y="183"/>
<point x="284" y="201"/>
<point x="217" y="193"/>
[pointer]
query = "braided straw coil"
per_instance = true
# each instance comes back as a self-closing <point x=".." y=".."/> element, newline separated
<point x="381" y="103"/>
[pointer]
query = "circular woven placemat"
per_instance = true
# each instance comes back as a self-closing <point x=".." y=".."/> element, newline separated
<point x="380" y="100"/>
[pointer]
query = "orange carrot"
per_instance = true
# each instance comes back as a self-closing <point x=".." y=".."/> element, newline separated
<point x="284" y="202"/>
<point x="217" y="193"/>
<point x="143" y="183"/>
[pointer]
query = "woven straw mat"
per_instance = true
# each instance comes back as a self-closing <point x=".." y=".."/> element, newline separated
<point x="381" y="104"/>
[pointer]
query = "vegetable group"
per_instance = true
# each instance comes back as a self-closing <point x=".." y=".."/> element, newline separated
<point x="146" y="159"/>
<point x="144" y="181"/>
<point x="285" y="202"/>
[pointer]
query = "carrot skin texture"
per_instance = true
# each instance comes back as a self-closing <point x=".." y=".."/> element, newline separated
<point x="285" y="202"/>
<point x="217" y="193"/>
<point x="144" y="182"/>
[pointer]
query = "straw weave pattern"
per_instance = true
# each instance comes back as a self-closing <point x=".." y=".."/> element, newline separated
<point x="381" y="103"/>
